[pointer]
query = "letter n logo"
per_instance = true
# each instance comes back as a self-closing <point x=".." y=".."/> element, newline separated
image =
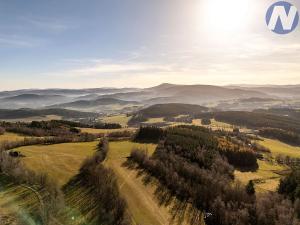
<point x="282" y="17"/>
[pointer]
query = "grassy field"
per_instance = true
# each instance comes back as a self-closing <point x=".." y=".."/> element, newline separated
<point x="142" y="203"/>
<point x="266" y="178"/>
<point x="268" y="175"/>
<point x="60" y="162"/>
<point x="215" y="125"/>
<point x="120" y="119"/>
<point x="280" y="148"/>
<point x="11" y="137"/>
<point x="155" y="120"/>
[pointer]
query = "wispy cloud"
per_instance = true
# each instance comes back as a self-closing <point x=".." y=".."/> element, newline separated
<point x="48" y="24"/>
<point x="18" y="41"/>
<point x="98" y="67"/>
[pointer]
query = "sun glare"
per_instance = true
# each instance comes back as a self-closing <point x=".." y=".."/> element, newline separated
<point x="224" y="16"/>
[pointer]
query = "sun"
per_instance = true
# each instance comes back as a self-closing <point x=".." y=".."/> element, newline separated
<point x="224" y="15"/>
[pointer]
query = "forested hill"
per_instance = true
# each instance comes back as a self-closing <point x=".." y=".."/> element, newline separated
<point x="97" y="102"/>
<point x="172" y="109"/>
<point x="26" y="113"/>
<point x="259" y="120"/>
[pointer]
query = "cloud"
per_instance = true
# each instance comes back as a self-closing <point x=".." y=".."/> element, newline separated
<point x="48" y="24"/>
<point x="104" y="67"/>
<point x="19" y="41"/>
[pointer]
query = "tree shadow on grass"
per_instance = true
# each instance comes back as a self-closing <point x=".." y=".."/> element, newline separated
<point x="79" y="197"/>
<point x="20" y="201"/>
<point x="181" y="211"/>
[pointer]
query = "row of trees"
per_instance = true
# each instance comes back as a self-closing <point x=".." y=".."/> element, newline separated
<point x="33" y="130"/>
<point x="53" y="127"/>
<point x="119" y="135"/>
<point x="288" y="137"/>
<point x="287" y="160"/>
<point x="84" y="137"/>
<point x="103" y="204"/>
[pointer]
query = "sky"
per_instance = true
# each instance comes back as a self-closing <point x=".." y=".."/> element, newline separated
<point x="142" y="43"/>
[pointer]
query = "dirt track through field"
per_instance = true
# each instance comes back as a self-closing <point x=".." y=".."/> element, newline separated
<point x="142" y="203"/>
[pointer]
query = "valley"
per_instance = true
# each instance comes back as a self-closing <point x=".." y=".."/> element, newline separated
<point x="147" y="144"/>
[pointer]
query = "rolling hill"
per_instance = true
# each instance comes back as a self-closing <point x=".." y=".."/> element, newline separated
<point x="104" y="99"/>
<point x="172" y="109"/>
<point x="32" y="97"/>
<point x="26" y="113"/>
<point x="94" y="103"/>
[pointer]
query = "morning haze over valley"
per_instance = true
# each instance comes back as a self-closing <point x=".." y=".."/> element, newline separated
<point x="158" y="112"/>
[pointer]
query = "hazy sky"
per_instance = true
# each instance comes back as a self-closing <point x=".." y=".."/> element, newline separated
<point x="95" y="43"/>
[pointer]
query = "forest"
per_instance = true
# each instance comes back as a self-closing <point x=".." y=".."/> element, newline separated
<point x="190" y="168"/>
<point x="258" y="120"/>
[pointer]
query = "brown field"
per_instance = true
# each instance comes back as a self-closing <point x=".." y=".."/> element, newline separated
<point x="60" y="162"/>
<point x="11" y="137"/>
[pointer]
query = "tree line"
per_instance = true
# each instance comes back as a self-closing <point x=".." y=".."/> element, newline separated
<point x="257" y="120"/>
<point x="8" y="145"/>
<point x="103" y="203"/>
<point x="53" y="127"/>
<point x="288" y="137"/>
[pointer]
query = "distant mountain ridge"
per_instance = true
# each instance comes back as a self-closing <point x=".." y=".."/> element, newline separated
<point x="31" y="97"/>
<point x="103" y="99"/>
<point x="93" y="103"/>
<point x="26" y="113"/>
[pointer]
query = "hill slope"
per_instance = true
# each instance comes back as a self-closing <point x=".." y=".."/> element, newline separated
<point x="171" y="109"/>
<point x="94" y="103"/>
<point x="26" y="113"/>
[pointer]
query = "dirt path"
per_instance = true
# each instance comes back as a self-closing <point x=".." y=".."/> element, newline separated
<point x="142" y="204"/>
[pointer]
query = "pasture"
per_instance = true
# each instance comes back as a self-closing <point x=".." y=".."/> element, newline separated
<point x="155" y="120"/>
<point x="266" y="178"/>
<point x="120" y="119"/>
<point x="280" y="148"/>
<point x="11" y="137"/>
<point x="215" y="125"/>
<point x="60" y="161"/>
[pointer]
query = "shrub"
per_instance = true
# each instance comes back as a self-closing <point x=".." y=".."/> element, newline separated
<point x="205" y="121"/>
<point x="2" y="130"/>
